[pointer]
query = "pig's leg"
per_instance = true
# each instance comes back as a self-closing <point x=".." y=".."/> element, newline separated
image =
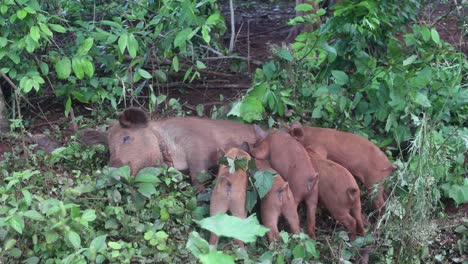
<point x="270" y="219"/>
<point x="379" y="200"/>
<point x="356" y="213"/>
<point x="311" y="204"/>
<point x="238" y="209"/>
<point x="293" y="219"/>
<point x="217" y="205"/>
<point x="349" y="222"/>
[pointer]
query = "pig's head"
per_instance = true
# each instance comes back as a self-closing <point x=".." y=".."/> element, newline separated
<point x="131" y="141"/>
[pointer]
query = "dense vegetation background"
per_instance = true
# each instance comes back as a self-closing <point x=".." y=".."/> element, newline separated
<point x="379" y="69"/>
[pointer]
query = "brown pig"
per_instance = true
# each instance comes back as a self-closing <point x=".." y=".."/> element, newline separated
<point x="289" y="158"/>
<point x="278" y="201"/>
<point x="357" y="154"/>
<point x="182" y="142"/>
<point x="230" y="191"/>
<point x="339" y="193"/>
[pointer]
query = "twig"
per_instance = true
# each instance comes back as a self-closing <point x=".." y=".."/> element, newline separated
<point x="256" y="62"/>
<point x="233" y="26"/>
<point x="10" y="82"/>
<point x="212" y="50"/>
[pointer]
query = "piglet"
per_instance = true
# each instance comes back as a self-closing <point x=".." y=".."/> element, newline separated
<point x="357" y="154"/>
<point x="230" y="191"/>
<point x="278" y="201"/>
<point x="289" y="158"/>
<point x="339" y="193"/>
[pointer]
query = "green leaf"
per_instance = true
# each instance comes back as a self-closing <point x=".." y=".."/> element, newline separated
<point x="9" y="244"/>
<point x="213" y="19"/>
<point x="63" y="68"/>
<point x="149" y="175"/>
<point x="33" y="214"/>
<point x="27" y="196"/>
<point x="34" y="33"/>
<point x="410" y="60"/>
<point x="3" y="9"/>
<point x="426" y="34"/>
<point x="146" y="189"/>
<point x="144" y="74"/>
<point x="74" y="239"/>
<point x="341" y="77"/>
<point x="21" y="14"/>
<point x="3" y="42"/>
<point x="299" y="251"/>
<point x="230" y="226"/>
<point x="114" y="245"/>
<point x="123" y="39"/>
<point x="435" y="36"/>
<point x="285" y="54"/>
<point x="264" y="181"/>
<point x="99" y="243"/>
<point x="132" y="46"/>
<point x="251" y="200"/>
<point x="45" y="29"/>
<point x="251" y="109"/>
<point x="181" y="37"/>
<point x="201" y="65"/>
<point x="304" y="7"/>
<point x="215" y="257"/>
<point x="51" y="236"/>
<point x="57" y="28"/>
<point x="89" y="215"/>
<point x="68" y="106"/>
<point x="88" y="67"/>
<point x="422" y="100"/>
<point x="17" y="223"/>
<point x="206" y="34"/>
<point x="197" y="245"/>
<point x="85" y="47"/>
<point x="77" y="67"/>
<point x="175" y="63"/>
<point x="330" y="50"/>
<point x="31" y="260"/>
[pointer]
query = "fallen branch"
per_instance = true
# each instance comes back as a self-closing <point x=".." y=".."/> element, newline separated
<point x="206" y="86"/>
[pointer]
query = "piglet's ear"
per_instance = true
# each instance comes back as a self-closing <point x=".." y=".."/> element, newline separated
<point x="260" y="134"/>
<point x="133" y="118"/>
<point x="297" y="132"/>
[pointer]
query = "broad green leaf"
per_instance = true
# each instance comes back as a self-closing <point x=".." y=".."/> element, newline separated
<point x="85" y="47"/>
<point x="215" y="257"/>
<point x="68" y="106"/>
<point x="144" y="74"/>
<point x="422" y="100"/>
<point x="230" y="226"/>
<point x="299" y="251"/>
<point x="17" y="223"/>
<point x="89" y="215"/>
<point x="285" y="54"/>
<point x="206" y="34"/>
<point x="33" y="214"/>
<point x="88" y="67"/>
<point x="263" y="182"/>
<point x="181" y="37"/>
<point x="146" y="189"/>
<point x="197" y="245"/>
<point x="251" y="109"/>
<point x="3" y="9"/>
<point x="201" y="65"/>
<point x="51" y="236"/>
<point x="57" y="28"/>
<point x="149" y="175"/>
<point x="10" y="243"/>
<point x="213" y="19"/>
<point x="27" y="196"/>
<point x="44" y="68"/>
<point x="426" y="34"/>
<point x="99" y="243"/>
<point x="74" y="239"/>
<point x="114" y="245"/>
<point x="21" y="14"/>
<point x="341" y="77"/>
<point x="330" y="50"/>
<point x="435" y="36"/>
<point x="123" y="42"/>
<point x="77" y="67"/>
<point x="45" y="29"/>
<point x="304" y="7"/>
<point x="132" y="46"/>
<point x="63" y="68"/>
<point x="251" y="200"/>
<point x="34" y="33"/>
<point x="3" y="42"/>
<point x="31" y="260"/>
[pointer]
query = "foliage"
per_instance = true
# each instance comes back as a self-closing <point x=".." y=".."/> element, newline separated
<point x="366" y="72"/>
<point x="117" y="50"/>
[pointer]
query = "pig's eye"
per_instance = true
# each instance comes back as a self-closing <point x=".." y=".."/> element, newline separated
<point x="127" y="140"/>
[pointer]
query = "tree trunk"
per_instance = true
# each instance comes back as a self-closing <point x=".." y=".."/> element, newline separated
<point x="4" y="126"/>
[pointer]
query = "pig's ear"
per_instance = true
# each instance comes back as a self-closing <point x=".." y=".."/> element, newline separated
<point x="93" y="137"/>
<point x="260" y="134"/>
<point x="245" y="146"/>
<point x="221" y="153"/>
<point x="297" y="132"/>
<point x="133" y="118"/>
